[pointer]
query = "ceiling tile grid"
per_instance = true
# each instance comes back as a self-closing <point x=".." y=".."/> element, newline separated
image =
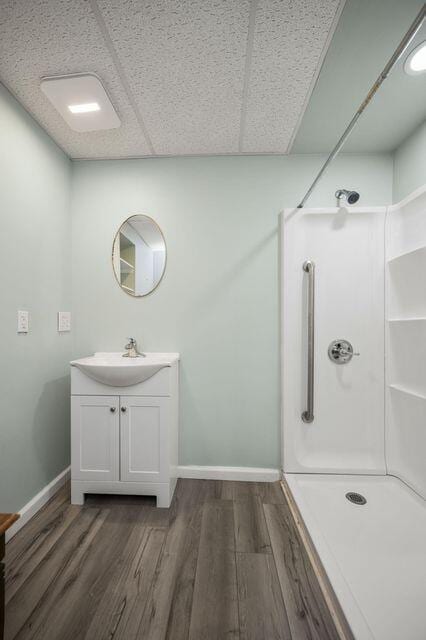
<point x="41" y="37"/>
<point x="185" y="62"/>
<point x="289" y="42"/>
<point x="187" y="77"/>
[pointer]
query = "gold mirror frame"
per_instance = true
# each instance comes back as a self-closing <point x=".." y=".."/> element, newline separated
<point x="131" y="295"/>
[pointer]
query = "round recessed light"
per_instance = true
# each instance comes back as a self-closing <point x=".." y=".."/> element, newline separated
<point x="416" y="61"/>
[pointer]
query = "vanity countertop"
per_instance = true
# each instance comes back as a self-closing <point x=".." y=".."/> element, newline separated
<point x="116" y="358"/>
<point x="112" y="369"/>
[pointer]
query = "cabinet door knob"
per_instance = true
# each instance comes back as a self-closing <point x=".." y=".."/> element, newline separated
<point x="124" y="409"/>
<point x="112" y="409"/>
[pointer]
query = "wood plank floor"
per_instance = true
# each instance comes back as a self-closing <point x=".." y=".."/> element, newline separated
<point x="224" y="562"/>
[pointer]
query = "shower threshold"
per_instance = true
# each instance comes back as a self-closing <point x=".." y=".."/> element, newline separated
<point x="374" y="553"/>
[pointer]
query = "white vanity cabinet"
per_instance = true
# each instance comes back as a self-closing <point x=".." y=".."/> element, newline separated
<point x="95" y="437"/>
<point x="125" y="439"/>
<point x="143" y="436"/>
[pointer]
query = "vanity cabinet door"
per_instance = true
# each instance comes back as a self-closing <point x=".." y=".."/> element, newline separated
<point x="95" y="433"/>
<point x="144" y="434"/>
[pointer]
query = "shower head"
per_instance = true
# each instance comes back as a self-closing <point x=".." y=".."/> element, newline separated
<point x="350" y="196"/>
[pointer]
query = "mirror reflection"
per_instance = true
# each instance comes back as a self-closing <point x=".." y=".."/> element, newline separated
<point x="139" y="255"/>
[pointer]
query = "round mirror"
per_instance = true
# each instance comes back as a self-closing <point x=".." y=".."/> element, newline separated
<point x="139" y="255"/>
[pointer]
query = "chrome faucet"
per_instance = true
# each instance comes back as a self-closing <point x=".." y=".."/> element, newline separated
<point x="132" y="350"/>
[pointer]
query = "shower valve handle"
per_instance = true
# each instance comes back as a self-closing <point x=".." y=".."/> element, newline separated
<point x="340" y="351"/>
<point x="345" y="352"/>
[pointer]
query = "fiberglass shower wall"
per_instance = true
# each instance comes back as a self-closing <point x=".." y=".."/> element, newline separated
<point x="406" y="341"/>
<point x="369" y="414"/>
<point x="347" y="247"/>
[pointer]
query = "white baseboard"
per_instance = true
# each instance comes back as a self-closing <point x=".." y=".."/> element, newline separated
<point x="246" y="474"/>
<point x="36" y="503"/>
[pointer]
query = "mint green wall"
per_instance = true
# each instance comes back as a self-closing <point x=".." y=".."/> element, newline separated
<point x="218" y="304"/>
<point x="410" y="164"/>
<point x="34" y="275"/>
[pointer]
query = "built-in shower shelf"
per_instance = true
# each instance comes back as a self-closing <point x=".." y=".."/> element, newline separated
<point x="407" y="391"/>
<point x="418" y="253"/>
<point x="417" y="319"/>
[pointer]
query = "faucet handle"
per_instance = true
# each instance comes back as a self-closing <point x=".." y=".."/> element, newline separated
<point x="132" y="350"/>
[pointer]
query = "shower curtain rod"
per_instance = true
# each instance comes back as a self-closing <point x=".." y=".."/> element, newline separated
<point x="384" y="74"/>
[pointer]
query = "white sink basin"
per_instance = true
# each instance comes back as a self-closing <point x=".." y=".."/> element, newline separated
<point x="115" y="371"/>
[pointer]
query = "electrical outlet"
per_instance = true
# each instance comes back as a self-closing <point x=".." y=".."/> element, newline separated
<point x="23" y="321"/>
<point x="64" y="321"/>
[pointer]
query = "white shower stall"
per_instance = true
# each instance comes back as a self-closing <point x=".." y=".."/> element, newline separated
<point x="368" y="432"/>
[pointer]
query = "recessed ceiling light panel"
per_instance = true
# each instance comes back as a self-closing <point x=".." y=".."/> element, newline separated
<point x="416" y="61"/>
<point x="82" y="101"/>
<point x="86" y="107"/>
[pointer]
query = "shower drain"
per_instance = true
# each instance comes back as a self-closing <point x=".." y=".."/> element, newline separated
<point x="356" y="498"/>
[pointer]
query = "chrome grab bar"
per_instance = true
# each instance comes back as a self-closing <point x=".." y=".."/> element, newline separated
<point x="309" y="268"/>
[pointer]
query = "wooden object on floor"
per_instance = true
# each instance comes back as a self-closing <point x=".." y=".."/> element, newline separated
<point x="6" y="521"/>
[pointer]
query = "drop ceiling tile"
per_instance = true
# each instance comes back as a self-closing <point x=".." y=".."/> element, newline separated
<point x="184" y="60"/>
<point x="289" y="40"/>
<point x="42" y="37"/>
<point x="186" y="76"/>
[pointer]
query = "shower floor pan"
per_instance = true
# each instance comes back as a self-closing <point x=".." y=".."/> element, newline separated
<point x="374" y="554"/>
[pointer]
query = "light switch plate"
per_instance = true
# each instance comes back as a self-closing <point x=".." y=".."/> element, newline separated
<point x="23" y="322"/>
<point x="64" y="321"/>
